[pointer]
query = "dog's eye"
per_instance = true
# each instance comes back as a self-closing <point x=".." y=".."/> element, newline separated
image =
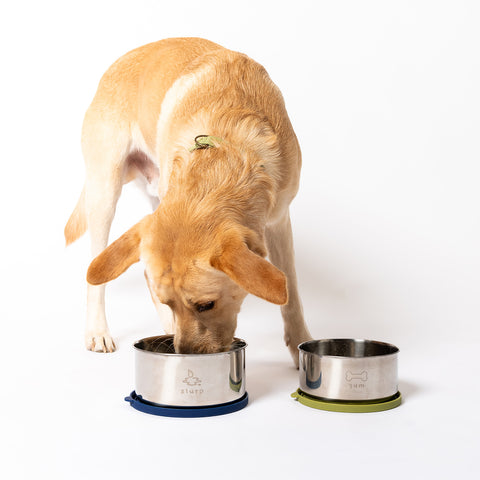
<point x="203" y="307"/>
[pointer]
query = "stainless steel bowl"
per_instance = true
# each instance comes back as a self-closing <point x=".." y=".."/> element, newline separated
<point x="348" y="369"/>
<point x="166" y="378"/>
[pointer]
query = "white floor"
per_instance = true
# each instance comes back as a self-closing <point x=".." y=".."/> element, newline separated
<point x="384" y="99"/>
<point x="63" y="413"/>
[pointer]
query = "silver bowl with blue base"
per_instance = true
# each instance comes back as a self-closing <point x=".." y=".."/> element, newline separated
<point x="187" y="385"/>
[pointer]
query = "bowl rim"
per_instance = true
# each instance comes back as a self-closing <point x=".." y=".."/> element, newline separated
<point x="394" y="348"/>
<point x="242" y="346"/>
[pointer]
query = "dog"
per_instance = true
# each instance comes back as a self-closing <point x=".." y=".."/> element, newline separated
<point x="204" y="132"/>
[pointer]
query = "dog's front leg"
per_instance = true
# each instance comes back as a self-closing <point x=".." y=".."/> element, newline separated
<point x="280" y="250"/>
<point x="101" y="198"/>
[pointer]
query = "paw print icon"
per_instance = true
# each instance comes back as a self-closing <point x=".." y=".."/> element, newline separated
<point x="191" y="380"/>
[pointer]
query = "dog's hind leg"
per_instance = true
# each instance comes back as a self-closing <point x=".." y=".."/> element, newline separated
<point x="280" y="250"/>
<point x="105" y="150"/>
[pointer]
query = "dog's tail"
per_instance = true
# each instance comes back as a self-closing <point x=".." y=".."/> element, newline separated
<point x="77" y="223"/>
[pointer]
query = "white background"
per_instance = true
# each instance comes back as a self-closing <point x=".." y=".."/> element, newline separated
<point x="384" y="97"/>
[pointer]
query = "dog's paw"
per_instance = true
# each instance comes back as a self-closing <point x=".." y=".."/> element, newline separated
<point x="100" y="343"/>
<point x="294" y="353"/>
<point x="293" y="342"/>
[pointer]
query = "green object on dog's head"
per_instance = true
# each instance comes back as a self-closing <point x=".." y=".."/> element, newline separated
<point x="205" y="141"/>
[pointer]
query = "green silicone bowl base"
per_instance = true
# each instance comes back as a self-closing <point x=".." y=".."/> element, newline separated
<point x="348" y="406"/>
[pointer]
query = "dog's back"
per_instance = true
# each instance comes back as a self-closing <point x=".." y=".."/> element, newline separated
<point x="166" y="82"/>
<point x="134" y="87"/>
<point x="155" y="99"/>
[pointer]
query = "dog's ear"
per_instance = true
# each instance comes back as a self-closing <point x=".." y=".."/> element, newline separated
<point x="116" y="258"/>
<point x="252" y="272"/>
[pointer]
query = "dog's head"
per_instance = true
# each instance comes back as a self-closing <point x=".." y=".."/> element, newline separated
<point x="202" y="274"/>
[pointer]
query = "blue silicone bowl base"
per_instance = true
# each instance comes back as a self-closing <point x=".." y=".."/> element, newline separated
<point x="137" y="402"/>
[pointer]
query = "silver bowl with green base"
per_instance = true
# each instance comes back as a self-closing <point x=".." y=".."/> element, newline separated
<point x="348" y="375"/>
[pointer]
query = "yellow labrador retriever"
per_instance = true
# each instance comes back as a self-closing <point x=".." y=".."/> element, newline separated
<point x="205" y="132"/>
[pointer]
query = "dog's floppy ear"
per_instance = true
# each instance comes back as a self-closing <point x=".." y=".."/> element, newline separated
<point x="116" y="258"/>
<point x="253" y="273"/>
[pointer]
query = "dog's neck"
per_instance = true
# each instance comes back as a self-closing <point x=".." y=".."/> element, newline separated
<point x="233" y="182"/>
<point x="221" y="182"/>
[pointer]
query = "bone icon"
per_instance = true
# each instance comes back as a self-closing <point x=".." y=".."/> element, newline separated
<point x="349" y="376"/>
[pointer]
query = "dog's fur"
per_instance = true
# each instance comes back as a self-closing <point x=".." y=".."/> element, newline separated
<point x="217" y="211"/>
